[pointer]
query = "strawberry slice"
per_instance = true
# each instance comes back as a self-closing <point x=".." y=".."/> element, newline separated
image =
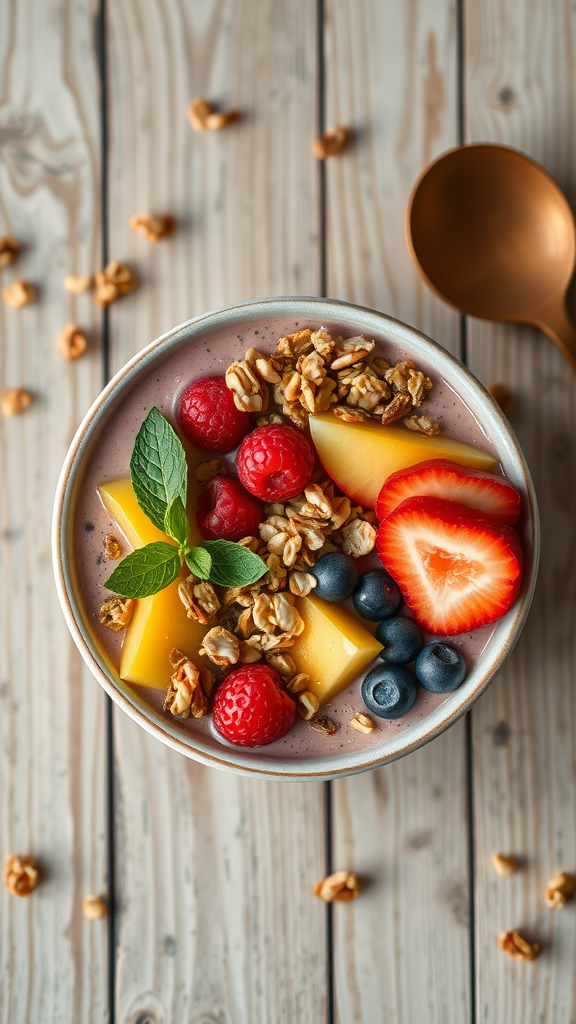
<point x="457" y="569"/>
<point x="493" y="495"/>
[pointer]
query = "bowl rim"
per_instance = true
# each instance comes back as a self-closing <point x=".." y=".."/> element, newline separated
<point x="365" y="321"/>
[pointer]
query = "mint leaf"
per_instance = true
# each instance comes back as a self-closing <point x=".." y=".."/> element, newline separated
<point x="145" y="571"/>
<point x="232" y="564"/>
<point x="199" y="561"/>
<point x="158" y="468"/>
<point x="176" y="521"/>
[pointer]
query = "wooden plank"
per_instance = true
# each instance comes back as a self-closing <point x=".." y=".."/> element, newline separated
<point x="52" y="727"/>
<point x="217" y="921"/>
<point x="402" y="952"/>
<point x="520" y="92"/>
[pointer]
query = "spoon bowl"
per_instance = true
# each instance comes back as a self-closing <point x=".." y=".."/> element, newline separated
<point x="494" y="236"/>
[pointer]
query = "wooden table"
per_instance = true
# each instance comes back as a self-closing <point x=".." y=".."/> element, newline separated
<point x="209" y="876"/>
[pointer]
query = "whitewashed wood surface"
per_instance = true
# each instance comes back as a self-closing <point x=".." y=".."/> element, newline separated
<point x="213" y="919"/>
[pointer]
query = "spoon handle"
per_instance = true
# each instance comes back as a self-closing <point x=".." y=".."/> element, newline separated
<point x="556" y="323"/>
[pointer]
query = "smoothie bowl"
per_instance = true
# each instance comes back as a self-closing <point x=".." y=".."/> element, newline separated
<point x="295" y="538"/>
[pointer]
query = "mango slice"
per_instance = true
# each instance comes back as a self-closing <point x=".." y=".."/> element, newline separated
<point x="361" y="456"/>
<point x="159" y="623"/>
<point x="333" y="649"/>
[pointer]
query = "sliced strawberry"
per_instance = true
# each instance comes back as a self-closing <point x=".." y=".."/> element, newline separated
<point x="457" y="569"/>
<point x="493" y="495"/>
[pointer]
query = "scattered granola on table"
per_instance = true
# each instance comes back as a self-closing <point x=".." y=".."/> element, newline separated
<point x="504" y="865"/>
<point x="152" y="228"/>
<point x="518" y="947"/>
<point x="9" y="249"/>
<point x="203" y="117"/>
<point x="19" y="293"/>
<point x="331" y="143"/>
<point x="20" y="875"/>
<point x="560" y="890"/>
<point x="94" y="907"/>
<point x="340" y="887"/>
<point x="14" y="401"/>
<point x="114" y="281"/>
<point x="78" y="283"/>
<point x="71" y="343"/>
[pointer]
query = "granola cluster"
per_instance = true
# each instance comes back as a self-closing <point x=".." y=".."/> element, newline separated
<point x="311" y="372"/>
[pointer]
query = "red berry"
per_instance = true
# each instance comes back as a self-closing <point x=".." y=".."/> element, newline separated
<point x="275" y="463"/>
<point x="209" y="418"/>
<point x="250" y="709"/>
<point x="457" y="568"/>
<point x="225" y="511"/>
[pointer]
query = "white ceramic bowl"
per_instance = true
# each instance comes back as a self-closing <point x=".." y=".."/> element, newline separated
<point x="356" y="320"/>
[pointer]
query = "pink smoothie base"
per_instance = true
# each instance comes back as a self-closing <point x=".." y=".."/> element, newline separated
<point x="109" y="460"/>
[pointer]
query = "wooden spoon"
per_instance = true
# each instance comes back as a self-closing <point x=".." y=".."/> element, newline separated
<point x="494" y="236"/>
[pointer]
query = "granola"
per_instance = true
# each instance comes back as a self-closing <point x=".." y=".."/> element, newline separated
<point x="115" y="612"/>
<point x="154" y="229"/>
<point x="560" y="890"/>
<point x="312" y="372"/>
<point x="14" y="401"/>
<point x="220" y="646"/>
<point x="19" y="293"/>
<point x="331" y="143"/>
<point x="20" y="875"/>
<point x="71" y="343"/>
<point x="184" y="695"/>
<point x="340" y="887"/>
<point x="504" y="865"/>
<point x="9" y="249"/>
<point x="518" y="947"/>
<point x="203" y="117"/>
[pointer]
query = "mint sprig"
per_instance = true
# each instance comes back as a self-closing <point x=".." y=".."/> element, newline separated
<point x="159" y="477"/>
<point x="233" y="565"/>
<point x="146" y="571"/>
<point x="158" y="468"/>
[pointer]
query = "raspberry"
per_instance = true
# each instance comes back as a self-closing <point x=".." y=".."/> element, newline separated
<point x="225" y="511"/>
<point x="275" y="463"/>
<point x="209" y="418"/>
<point x="250" y="709"/>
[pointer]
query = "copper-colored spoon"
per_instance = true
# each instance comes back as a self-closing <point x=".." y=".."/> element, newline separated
<point x="494" y="236"/>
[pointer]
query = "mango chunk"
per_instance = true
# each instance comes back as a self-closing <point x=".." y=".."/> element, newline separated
<point x="333" y="649"/>
<point x="361" y="456"/>
<point x="159" y="623"/>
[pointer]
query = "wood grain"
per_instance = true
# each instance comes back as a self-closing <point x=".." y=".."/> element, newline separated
<point x="52" y="743"/>
<point x="217" y="921"/>
<point x="402" y="951"/>
<point x="520" y="92"/>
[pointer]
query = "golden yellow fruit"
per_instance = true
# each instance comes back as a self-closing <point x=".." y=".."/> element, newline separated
<point x="361" y="456"/>
<point x="159" y="623"/>
<point x="333" y="649"/>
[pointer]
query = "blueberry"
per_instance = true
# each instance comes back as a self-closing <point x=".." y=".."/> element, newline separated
<point x="401" y="639"/>
<point x="389" y="691"/>
<point x="337" y="576"/>
<point x="377" y="596"/>
<point x="440" y="668"/>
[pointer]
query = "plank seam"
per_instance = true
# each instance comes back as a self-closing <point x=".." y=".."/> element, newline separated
<point x="468" y="735"/>
<point x="321" y="117"/>
<point x="101" y="60"/>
